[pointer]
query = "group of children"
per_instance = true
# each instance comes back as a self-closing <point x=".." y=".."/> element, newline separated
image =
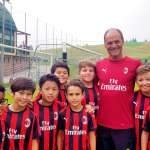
<point x="61" y="116"/>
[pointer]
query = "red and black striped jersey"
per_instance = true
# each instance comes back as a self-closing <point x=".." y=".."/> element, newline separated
<point x="62" y="97"/>
<point x="20" y="129"/>
<point x="146" y="126"/>
<point x="48" y="121"/>
<point x="141" y="103"/>
<point x="92" y="95"/>
<point x="76" y="127"/>
<point x="2" y="133"/>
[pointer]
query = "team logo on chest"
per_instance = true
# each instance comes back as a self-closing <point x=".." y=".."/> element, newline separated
<point x="27" y="122"/>
<point x="104" y="70"/>
<point x="55" y="115"/>
<point x="84" y="119"/>
<point x="125" y="70"/>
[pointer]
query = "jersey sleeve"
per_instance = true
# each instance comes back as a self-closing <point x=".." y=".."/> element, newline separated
<point x="91" y="122"/>
<point x="36" y="129"/>
<point x="146" y="126"/>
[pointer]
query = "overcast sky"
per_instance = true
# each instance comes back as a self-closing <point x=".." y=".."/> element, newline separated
<point x="87" y="20"/>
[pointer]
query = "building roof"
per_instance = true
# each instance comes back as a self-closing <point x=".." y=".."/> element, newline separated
<point x="9" y="22"/>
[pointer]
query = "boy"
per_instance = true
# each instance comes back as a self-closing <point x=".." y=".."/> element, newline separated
<point x="20" y="122"/>
<point x="62" y="71"/>
<point x="145" y="133"/>
<point x="141" y="100"/>
<point x="87" y="73"/>
<point x="47" y="108"/>
<point x="77" y="126"/>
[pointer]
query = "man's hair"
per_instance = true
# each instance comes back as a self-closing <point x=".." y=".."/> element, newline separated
<point x="143" y="69"/>
<point x="85" y="63"/>
<point x="75" y="82"/>
<point x="49" y="77"/>
<point x="2" y="89"/>
<point x="114" y="29"/>
<point x="22" y="83"/>
<point x="60" y="64"/>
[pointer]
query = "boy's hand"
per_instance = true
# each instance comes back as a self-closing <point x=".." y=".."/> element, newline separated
<point x="89" y="108"/>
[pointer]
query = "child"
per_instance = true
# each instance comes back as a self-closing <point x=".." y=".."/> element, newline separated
<point x="20" y="122"/>
<point x="77" y="126"/>
<point x="2" y="93"/>
<point x="3" y="101"/>
<point x="87" y="73"/>
<point x="61" y="70"/>
<point x="145" y="132"/>
<point x="47" y="108"/>
<point x="141" y="100"/>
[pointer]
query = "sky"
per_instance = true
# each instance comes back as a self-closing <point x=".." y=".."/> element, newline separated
<point x="85" y="20"/>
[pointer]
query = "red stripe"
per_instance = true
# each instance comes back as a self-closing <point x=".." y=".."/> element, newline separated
<point x="84" y="136"/>
<point x="67" y="128"/>
<point x="13" y="126"/>
<point x="46" y="133"/>
<point x="76" y="124"/>
<point x="55" y="110"/>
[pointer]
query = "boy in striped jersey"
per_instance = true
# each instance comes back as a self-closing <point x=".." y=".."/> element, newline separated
<point x="141" y="100"/>
<point x="77" y="125"/>
<point x="21" y="127"/>
<point x="47" y="108"/>
<point x="87" y="73"/>
<point x="61" y="70"/>
<point x="146" y="132"/>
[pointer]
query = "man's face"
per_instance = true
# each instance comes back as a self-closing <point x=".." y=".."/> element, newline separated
<point x="114" y="44"/>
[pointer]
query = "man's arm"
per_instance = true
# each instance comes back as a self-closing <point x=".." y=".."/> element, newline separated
<point x="92" y="138"/>
<point x="144" y="140"/>
<point x="35" y="144"/>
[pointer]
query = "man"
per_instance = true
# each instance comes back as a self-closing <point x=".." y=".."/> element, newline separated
<point x="117" y="77"/>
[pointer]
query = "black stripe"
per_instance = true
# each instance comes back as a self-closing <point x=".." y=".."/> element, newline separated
<point x="18" y="127"/>
<point x="87" y="95"/>
<point x="95" y="95"/>
<point x="28" y="131"/>
<point x="81" y="128"/>
<point x="8" y="119"/>
<point x="41" y="118"/>
<point x="71" y="121"/>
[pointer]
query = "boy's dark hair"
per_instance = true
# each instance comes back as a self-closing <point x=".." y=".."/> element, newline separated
<point x="2" y="89"/>
<point x="49" y="77"/>
<point x="143" y="69"/>
<point x="22" y="83"/>
<point x="85" y="63"/>
<point x="59" y="64"/>
<point x="75" y="82"/>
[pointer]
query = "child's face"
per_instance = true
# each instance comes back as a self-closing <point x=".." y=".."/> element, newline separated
<point x="2" y="95"/>
<point x="22" y="97"/>
<point x="87" y="74"/>
<point x="74" y="96"/>
<point x="49" y="92"/>
<point x="62" y="74"/>
<point x="143" y="81"/>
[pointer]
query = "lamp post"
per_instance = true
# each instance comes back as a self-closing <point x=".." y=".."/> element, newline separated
<point x="3" y="39"/>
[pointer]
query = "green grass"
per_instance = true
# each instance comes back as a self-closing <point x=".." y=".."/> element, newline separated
<point x="139" y="50"/>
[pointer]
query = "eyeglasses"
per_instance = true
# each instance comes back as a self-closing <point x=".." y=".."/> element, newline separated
<point x="3" y="101"/>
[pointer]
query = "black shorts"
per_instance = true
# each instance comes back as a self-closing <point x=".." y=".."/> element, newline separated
<point x="110" y="139"/>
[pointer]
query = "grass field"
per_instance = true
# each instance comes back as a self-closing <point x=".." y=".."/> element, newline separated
<point x="137" y="50"/>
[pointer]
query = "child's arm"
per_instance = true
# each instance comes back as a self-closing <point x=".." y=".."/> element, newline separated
<point x="35" y="144"/>
<point x="144" y="140"/>
<point x="60" y="139"/>
<point x="92" y="139"/>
